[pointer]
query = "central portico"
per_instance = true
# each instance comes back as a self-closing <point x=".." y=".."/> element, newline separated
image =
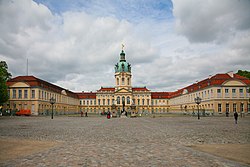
<point x="123" y="87"/>
<point x="123" y="97"/>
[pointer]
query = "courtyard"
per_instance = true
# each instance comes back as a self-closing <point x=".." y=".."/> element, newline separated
<point x="145" y="141"/>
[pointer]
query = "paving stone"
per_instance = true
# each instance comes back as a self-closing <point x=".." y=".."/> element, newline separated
<point x="118" y="142"/>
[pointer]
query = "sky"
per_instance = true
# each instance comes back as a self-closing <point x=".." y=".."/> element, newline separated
<point x="169" y="44"/>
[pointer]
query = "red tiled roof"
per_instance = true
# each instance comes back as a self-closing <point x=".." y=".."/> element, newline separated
<point x="217" y="79"/>
<point x="160" y="95"/>
<point x="106" y="89"/>
<point x="86" y="95"/>
<point x="36" y="82"/>
<point x="133" y="89"/>
<point x="140" y="89"/>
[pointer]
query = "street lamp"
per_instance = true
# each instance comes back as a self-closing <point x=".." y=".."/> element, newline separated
<point x="198" y="101"/>
<point x="248" y="95"/>
<point x="52" y="102"/>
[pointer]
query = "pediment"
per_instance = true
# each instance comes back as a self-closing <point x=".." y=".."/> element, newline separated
<point x="123" y="90"/>
<point x="20" y="85"/>
<point x="233" y="83"/>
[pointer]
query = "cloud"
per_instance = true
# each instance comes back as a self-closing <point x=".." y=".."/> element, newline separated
<point x="212" y="20"/>
<point x="77" y="46"/>
<point x="71" y="44"/>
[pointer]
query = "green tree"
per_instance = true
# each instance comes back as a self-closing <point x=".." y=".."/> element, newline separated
<point x="4" y="76"/>
<point x="244" y="73"/>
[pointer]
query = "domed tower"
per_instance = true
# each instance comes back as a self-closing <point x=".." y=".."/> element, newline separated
<point x="123" y="74"/>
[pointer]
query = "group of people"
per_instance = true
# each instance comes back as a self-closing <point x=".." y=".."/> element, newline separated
<point x="236" y="115"/>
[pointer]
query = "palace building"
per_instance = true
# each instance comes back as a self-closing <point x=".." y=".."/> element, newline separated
<point x="220" y="93"/>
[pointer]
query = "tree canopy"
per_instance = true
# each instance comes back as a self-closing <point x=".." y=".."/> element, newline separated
<point x="244" y="73"/>
<point x="4" y="76"/>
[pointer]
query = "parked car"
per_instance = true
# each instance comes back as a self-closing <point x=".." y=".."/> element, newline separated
<point x="23" y="112"/>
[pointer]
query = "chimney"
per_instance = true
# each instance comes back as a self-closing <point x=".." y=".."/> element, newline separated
<point x="231" y="74"/>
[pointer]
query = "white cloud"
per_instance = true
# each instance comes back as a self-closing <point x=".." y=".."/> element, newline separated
<point x="77" y="49"/>
<point x="212" y="20"/>
<point x="74" y="43"/>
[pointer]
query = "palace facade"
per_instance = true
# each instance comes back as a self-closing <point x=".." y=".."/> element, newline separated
<point x="220" y="93"/>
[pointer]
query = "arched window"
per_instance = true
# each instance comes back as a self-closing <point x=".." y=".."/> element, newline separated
<point x="123" y="100"/>
<point x="117" y="81"/>
<point x="128" y="100"/>
<point x="122" y="81"/>
<point x="118" y="100"/>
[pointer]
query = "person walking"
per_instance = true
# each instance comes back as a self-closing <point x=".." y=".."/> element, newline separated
<point x="236" y="117"/>
<point x="108" y="115"/>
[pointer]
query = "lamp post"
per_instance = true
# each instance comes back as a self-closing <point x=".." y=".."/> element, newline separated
<point x="198" y="101"/>
<point x="52" y="102"/>
<point x="248" y="100"/>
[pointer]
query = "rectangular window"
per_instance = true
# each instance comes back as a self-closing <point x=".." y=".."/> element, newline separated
<point x="241" y="92"/>
<point x="227" y="107"/>
<point x="80" y="102"/>
<point x="226" y="91"/>
<point x="25" y="94"/>
<point x="143" y="101"/>
<point x="20" y="94"/>
<point x="234" y="107"/>
<point x="138" y="101"/>
<point x="248" y="107"/>
<point x="14" y="93"/>
<point x="33" y="95"/>
<point x="234" y="92"/>
<point x="103" y="101"/>
<point x="219" y="107"/>
<point x="108" y="101"/>
<point x="241" y="107"/>
<point x="90" y="102"/>
<point x="218" y="92"/>
<point x="94" y="102"/>
<point x="147" y="101"/>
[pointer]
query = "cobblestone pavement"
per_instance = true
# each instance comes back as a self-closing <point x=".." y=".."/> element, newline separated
<point x="97" y="141"/>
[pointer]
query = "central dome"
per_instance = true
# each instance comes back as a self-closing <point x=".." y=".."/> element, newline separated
<point x="122" y="66"/>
